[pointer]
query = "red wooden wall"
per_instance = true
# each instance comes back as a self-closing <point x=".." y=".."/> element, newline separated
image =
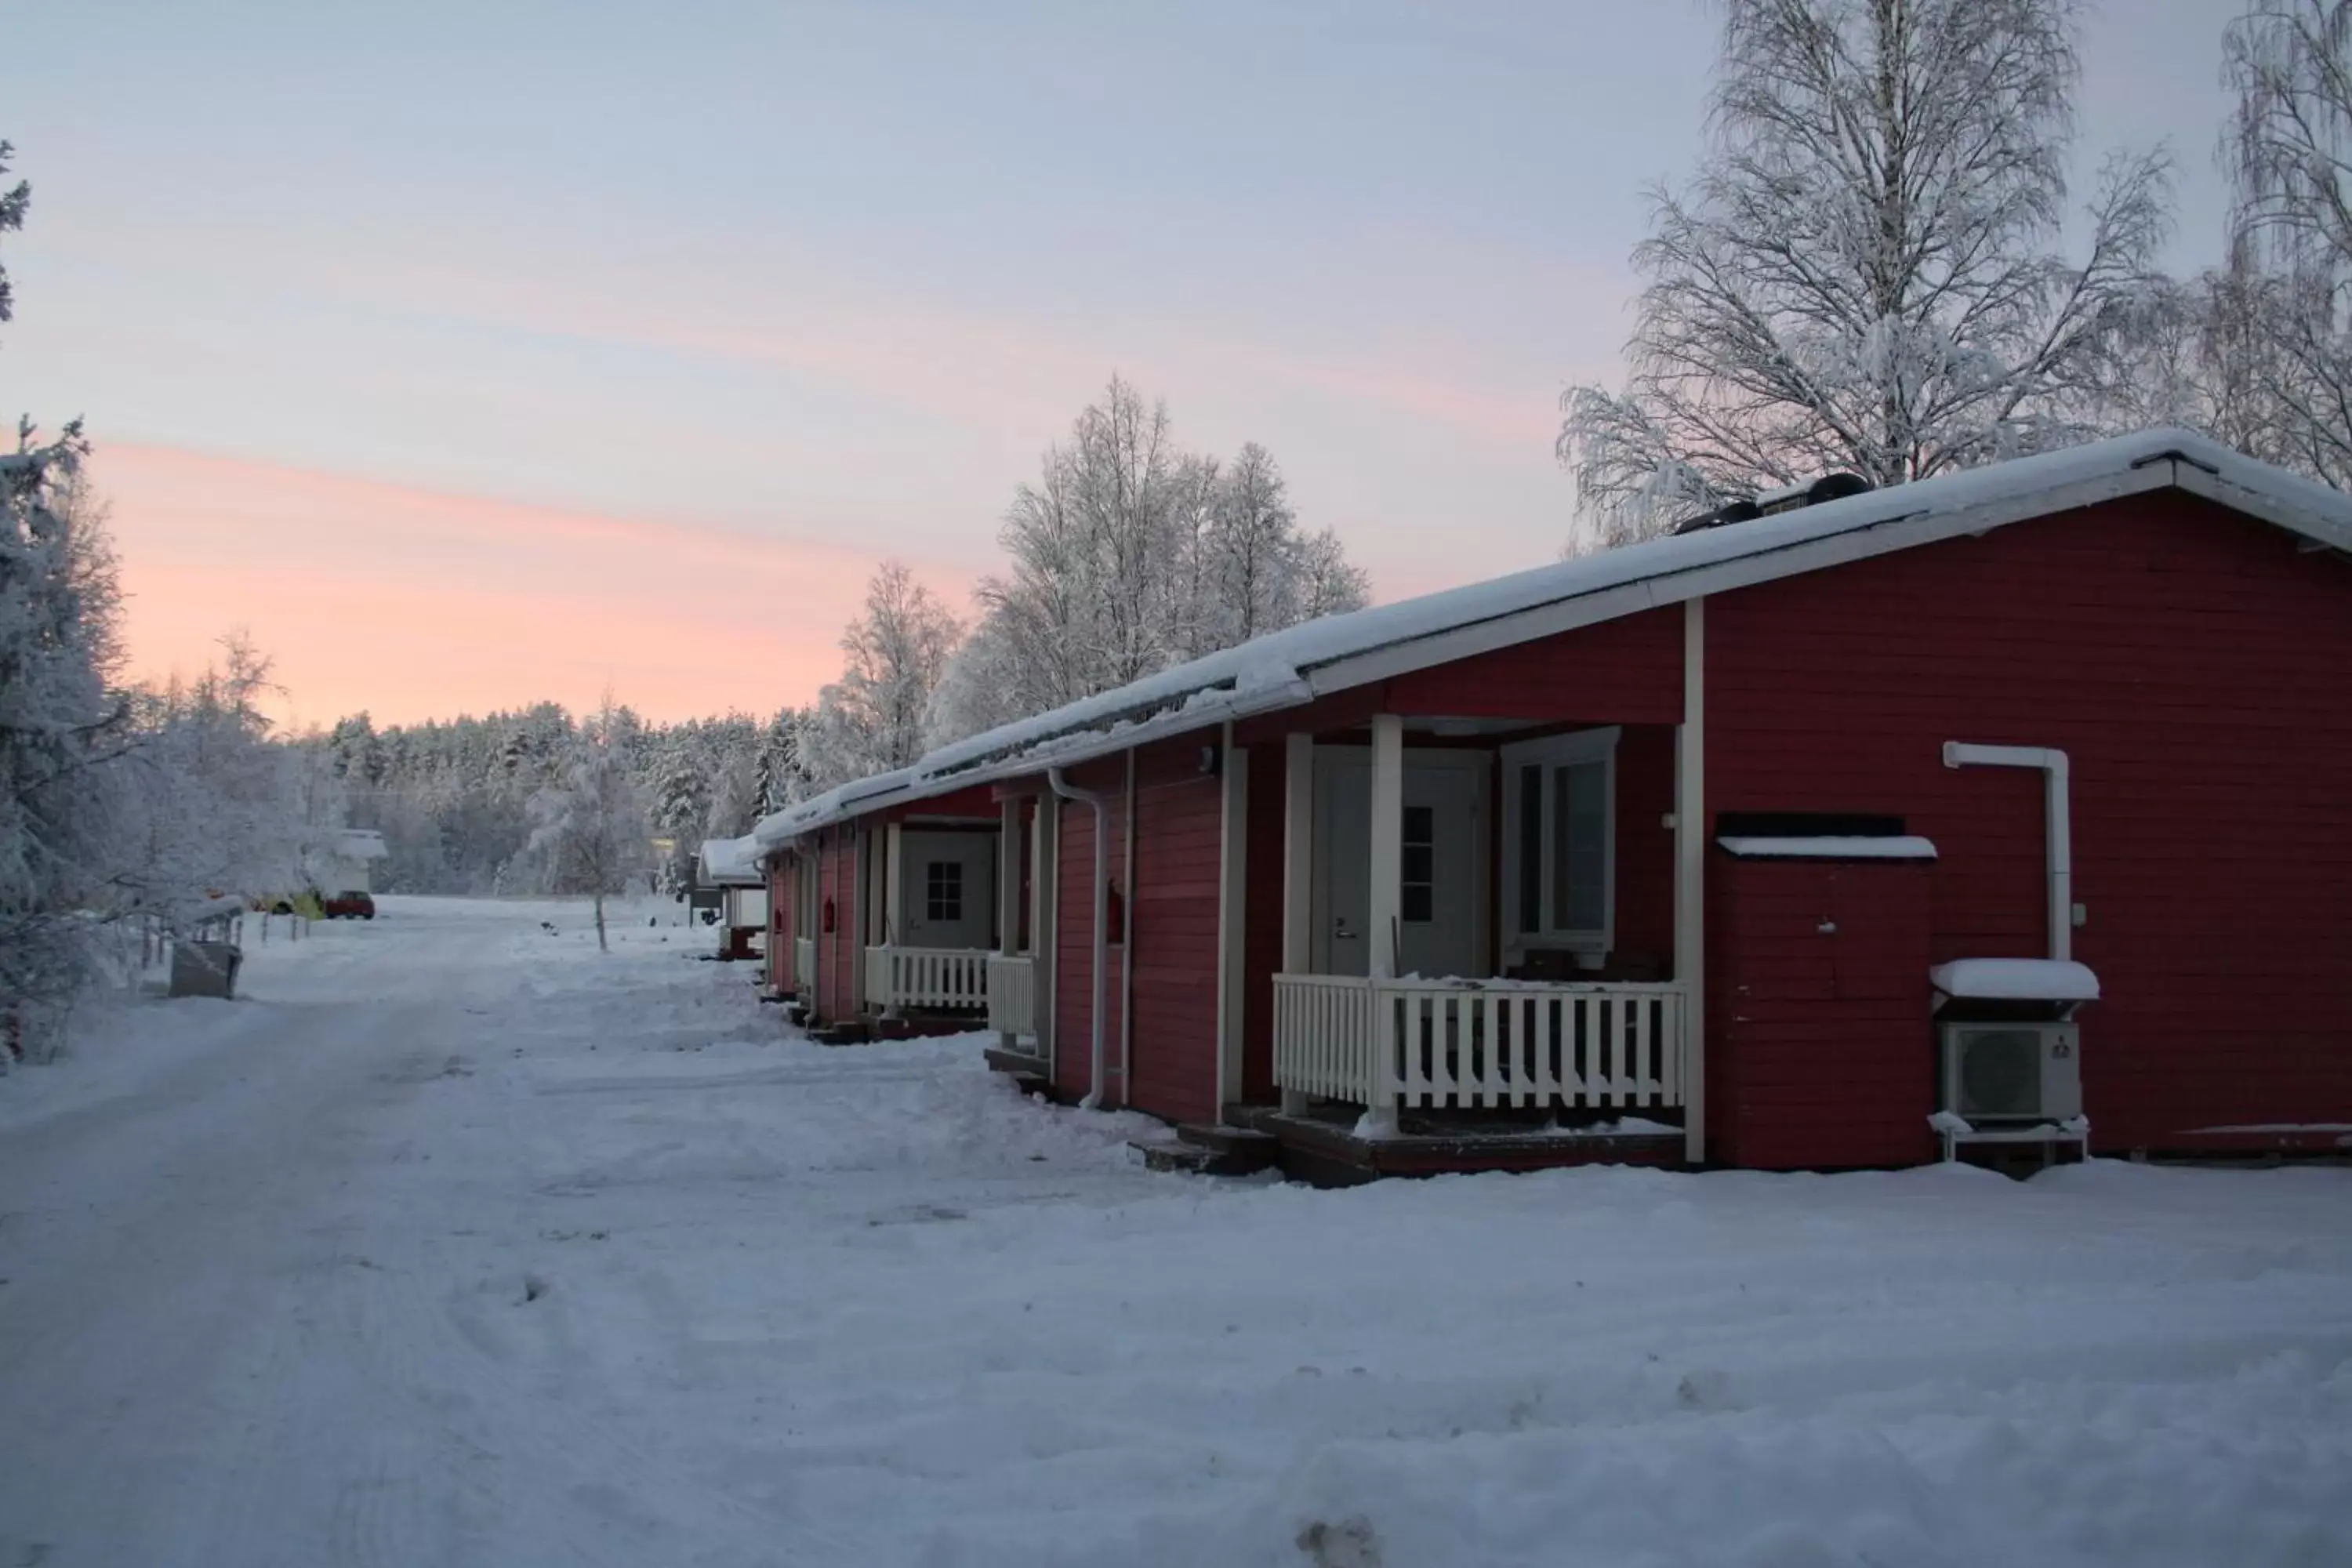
<point x="1172" y="939"/>
<point x="1626" y="671"/>
<point x="2192" y="663"/>
<point x="1818" y="976"/>
<point x="838" y="998"/>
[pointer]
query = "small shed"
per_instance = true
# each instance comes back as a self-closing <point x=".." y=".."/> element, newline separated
<point x="339" y="860"/>
<point x="728" y="868"/>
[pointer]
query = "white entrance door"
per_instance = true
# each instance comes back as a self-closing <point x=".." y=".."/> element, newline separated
<point x="947" y="889"/>
<point x="1441" y="927"/>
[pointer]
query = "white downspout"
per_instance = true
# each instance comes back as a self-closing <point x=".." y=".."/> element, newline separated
<point x="1101" y="804"/>
<point x="2058" y="829"/>
<point x="1126" y="940"/>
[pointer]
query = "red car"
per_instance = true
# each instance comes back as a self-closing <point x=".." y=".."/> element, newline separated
<point x="348" y="906"/>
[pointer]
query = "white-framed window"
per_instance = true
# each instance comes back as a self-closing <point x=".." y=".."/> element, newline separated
<point x="1560" y="842"/>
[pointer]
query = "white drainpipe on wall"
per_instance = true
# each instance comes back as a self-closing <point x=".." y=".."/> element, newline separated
<point x="2058" y="829"/>
<point x="1101" y="804"/>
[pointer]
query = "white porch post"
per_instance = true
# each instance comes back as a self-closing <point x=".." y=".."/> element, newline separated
<point x="1008" y="888"/>
<point x="1690" y="876"/>
<point x="1233" y="909"/>
<point x="894" y="918"/>
<point x="1387" y="899"/>
<point x="1388" y="843"/>
<point x="1298" y="870"/>
<point x="853" y="925"/>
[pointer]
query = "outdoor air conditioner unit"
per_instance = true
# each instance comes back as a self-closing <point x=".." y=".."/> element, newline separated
<point x="2013" y="1071"/>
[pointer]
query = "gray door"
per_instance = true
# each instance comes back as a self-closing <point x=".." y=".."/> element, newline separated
<point x="1440" y="929"/>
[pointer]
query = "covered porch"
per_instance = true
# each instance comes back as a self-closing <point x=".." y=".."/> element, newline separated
<point x="1490" y="933"/>
<point x="931" y="917"/>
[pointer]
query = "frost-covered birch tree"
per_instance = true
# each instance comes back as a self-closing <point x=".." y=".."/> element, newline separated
<point x="871" y="720"/>
<point x="1867" y="272"/>
<point x="589" y="822"/>
<point x="2280" y="320"/>
<point x="1128" y="554"/>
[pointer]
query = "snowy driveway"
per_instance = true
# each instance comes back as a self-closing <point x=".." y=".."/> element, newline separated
<point x="457" y="1244"/>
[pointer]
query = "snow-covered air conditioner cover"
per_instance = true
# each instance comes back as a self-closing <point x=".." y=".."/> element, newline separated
<point x="2015" y="980"/>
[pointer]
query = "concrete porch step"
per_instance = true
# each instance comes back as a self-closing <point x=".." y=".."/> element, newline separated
<point x="1245" y="1157"/>
<point x="1244" y="1147"/>
<point x="1026" y="1070"/>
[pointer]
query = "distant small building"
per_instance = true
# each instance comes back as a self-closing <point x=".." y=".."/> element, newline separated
<point x="339" y="860"/>
<point x="729" y="868"/>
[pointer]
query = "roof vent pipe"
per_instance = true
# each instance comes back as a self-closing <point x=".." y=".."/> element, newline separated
<point x="1068" y="791"/>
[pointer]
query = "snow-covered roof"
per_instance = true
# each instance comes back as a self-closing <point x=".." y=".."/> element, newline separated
<point x="353" y="843"/>
<point x="1892" y="846"/>
<point x="735" y="861"/>
<point x="2015" y="980"/>
<point x="1291" y="667"/>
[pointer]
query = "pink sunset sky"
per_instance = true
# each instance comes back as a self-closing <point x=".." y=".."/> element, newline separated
<point x="613" y="346"/>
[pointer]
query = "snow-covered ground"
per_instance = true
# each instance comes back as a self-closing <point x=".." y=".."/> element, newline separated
<point x="458" y="1243"/>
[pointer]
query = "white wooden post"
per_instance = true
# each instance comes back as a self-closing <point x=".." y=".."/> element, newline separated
<point x="1233" y="909"/>
<point x="1298" y="870"/>
<point x="852" y="924"/>
<point x="1387" y="899"/>
<point x="1690" y="878"/>
<point x="1008" y="886"/>
<point x="1388" y="843"/>
<point x="894" y="891"/>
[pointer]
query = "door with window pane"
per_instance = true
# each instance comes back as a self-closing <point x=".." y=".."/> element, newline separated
<point x="947" y="889"/>
<point x="1438" y="930"/>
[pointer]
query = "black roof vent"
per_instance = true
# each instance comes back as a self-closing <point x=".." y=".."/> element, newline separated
<point x="1770" y="503"/>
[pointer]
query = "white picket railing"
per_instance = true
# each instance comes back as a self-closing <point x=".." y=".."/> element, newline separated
<point x="1472" y="1043"/>
<point x="1012" y="994"/>
<point x="804" y="965"/>
<point x="925" y="977"/>
<point x="1323" y="1037"/>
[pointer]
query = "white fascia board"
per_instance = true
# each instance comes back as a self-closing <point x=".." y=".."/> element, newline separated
<point x="2270" y="508"/>
<point x="1900" y="532"/>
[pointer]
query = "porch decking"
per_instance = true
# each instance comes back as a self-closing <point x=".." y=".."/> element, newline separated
<point x="1322" y="1145"/>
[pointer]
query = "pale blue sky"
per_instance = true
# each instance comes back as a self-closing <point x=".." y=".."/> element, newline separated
<point x="835" y="275"/>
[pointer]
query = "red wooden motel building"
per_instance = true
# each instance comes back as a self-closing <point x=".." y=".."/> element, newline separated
<point x="2011" y="806"/>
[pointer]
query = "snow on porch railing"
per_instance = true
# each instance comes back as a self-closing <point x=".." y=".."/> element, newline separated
<point x="804" y="964"/>
<point x="1472" y="1043"/>
<point x="925" y="977"/>
<point x="1012" y="994"/>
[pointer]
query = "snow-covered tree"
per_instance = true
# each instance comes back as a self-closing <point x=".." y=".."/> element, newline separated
<point x="60" y="732"/>
<point x="871" y="720"/>
<point x="218" y="804"/>
<point x="14" y="201"/>
<point x="1128" y="554"/>
<point x="1867" y="274"/>
<point x="2280" y="320"/>
<point x="780" y="775"/>
<point x="588" y="823"/>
